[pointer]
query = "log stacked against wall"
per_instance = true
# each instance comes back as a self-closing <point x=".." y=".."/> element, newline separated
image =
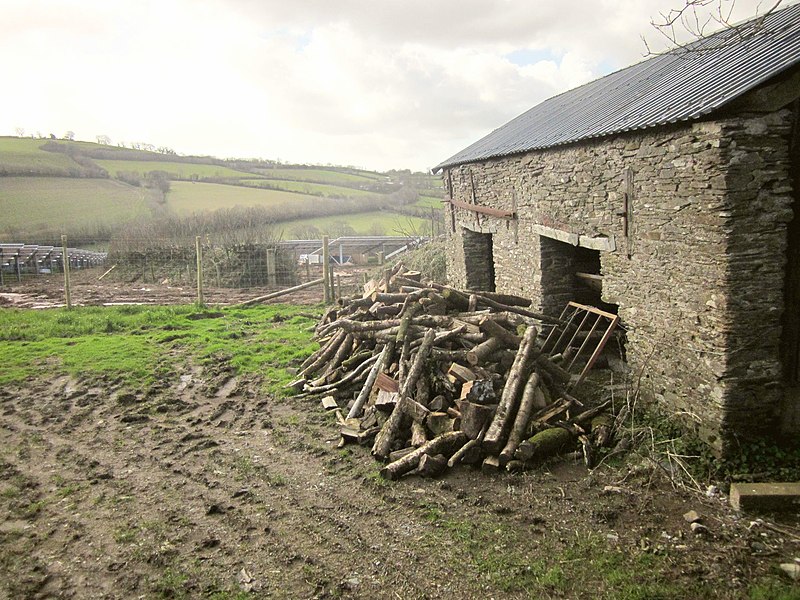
<point x="431" y="376"/>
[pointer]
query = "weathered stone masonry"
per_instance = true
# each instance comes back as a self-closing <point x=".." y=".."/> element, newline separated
<point x="699" y="277"/>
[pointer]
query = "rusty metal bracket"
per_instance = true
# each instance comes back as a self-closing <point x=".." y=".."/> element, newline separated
<point x="573" y="338"/>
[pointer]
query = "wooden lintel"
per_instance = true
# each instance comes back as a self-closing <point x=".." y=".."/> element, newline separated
<point x="484" y="210"/>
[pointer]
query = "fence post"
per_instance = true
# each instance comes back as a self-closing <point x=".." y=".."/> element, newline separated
<point x="199" y="253"/>
<point x="308" y="267"/>
<point x="326" y="273"/>
<point x="65" y="263"/>
<point x="271" y="266"/>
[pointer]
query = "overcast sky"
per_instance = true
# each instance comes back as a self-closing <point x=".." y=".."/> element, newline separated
<point x="373" y="83"/>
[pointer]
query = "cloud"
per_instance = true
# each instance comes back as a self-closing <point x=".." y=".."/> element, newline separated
<point x="378" y="83"/>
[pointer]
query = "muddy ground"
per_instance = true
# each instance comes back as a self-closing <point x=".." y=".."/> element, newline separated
<point x="47" y="291"/>
<point x="204" y="487"/>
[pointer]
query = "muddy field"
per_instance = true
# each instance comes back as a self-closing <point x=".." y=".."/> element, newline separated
<point x="204" y="487"/>
<point x="47" y="291"/>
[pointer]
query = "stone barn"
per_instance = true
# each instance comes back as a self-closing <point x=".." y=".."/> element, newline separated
<point x="672" y="187"/>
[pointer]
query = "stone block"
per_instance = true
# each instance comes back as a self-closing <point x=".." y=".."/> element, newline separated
<point x="765" y="497"/>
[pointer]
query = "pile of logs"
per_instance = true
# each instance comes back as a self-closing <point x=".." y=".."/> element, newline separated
<point x="432" y="376"/>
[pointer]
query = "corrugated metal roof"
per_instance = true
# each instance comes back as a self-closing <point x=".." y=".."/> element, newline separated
<point x="679" y="86"/>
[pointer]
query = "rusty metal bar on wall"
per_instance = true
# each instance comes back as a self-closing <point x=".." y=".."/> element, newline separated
<point x="484" y="210"/>
<point x="579" y="312"/>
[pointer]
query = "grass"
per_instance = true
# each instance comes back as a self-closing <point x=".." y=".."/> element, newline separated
<point x="24" y="155"/>
<point x="318" y="175"/>
<point x="312" y="189"/>
<point x="133" y="343"/>
<point x="429" y="202"/>
<point x="39" y="203"/>
<point x="186" y="198"/>
<point x="551" y="567"/>
<point x="178" y="170"/>
<point x="366" y="223"/>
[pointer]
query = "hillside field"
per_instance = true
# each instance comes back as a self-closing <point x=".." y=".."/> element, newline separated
<point x="312" y="189"/>
<point x="25" y="156"/>
<point x="61" y="203"/>
<point x="176" y="170"/>
<point x="54" y="186"/>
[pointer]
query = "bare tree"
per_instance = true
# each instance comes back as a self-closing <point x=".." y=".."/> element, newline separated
<point x="20" y="131"/>
<point x="69" y="135"/>
<point x="695" y="19"/>
<point x="104" y="140"/>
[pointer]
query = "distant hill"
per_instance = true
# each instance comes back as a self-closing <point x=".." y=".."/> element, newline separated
<point x="88" y="190"/>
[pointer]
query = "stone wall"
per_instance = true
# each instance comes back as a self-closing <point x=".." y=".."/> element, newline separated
<point x="698" y="273"/>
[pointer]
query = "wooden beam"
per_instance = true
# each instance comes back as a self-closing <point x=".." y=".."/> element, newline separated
<point x="484" y="210"/>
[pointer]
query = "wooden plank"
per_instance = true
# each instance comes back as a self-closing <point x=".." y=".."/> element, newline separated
<point x="484" y="210"/>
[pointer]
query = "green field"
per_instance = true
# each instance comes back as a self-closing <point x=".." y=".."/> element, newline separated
<point x="186" y="198"/>
<point x="365" y="223"/>
<point x="428" y="202"/>
<point x="177" y="170"/>
<point x="23" y="155"/>
<point x="134" y="342"/>
<point x="318" y="176"/>
<point x="42" y="203"/>
<point x="313" y="189"/>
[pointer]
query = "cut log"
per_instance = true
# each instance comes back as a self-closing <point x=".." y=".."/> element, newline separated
<point x="418" y="434"/>
<point x="386" y="401"/>
<point x="473" y="303"/>
<point x="351" y="377"/>
<point x="474" y="418"/>
<point x="491" y="464"/>
<point x="556" y="372"/>
<point x="415" y="410"/>
<point x="439" y="423"/>
<point x="391" y="428"/>
<point x="457" y="373"/>
<point x="479" y="353"/>
<point x="438" y="404"/>
<point x="520" y="426"/>
<point x="390" y="432"/>
<point x="329" y="403"/>
<point x="432" y="465"/>
<point x="324" y="356"/>
<point x="358" y="436"/>
<point x="492" y="328"/>
<point x="469" y="454"/>
<point x="363" y="395"/>
<point x="398" y="454"/>
<point x="550" y="412"/>
<point x="507" y="408"/>
<point x="544" y="444"/>
<point x="445" y="444"/>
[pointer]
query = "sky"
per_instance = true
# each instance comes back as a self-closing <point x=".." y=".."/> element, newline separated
<point x="377" y="84"/>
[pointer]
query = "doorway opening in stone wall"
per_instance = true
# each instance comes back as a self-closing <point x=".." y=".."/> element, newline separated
<point x="573" y="274"/>
<point x="478" y="260"/>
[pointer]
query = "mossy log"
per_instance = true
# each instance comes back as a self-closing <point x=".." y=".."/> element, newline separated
<point x="544" y="444"/>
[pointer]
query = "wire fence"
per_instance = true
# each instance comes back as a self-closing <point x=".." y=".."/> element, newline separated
<point x="199" y="269"/>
